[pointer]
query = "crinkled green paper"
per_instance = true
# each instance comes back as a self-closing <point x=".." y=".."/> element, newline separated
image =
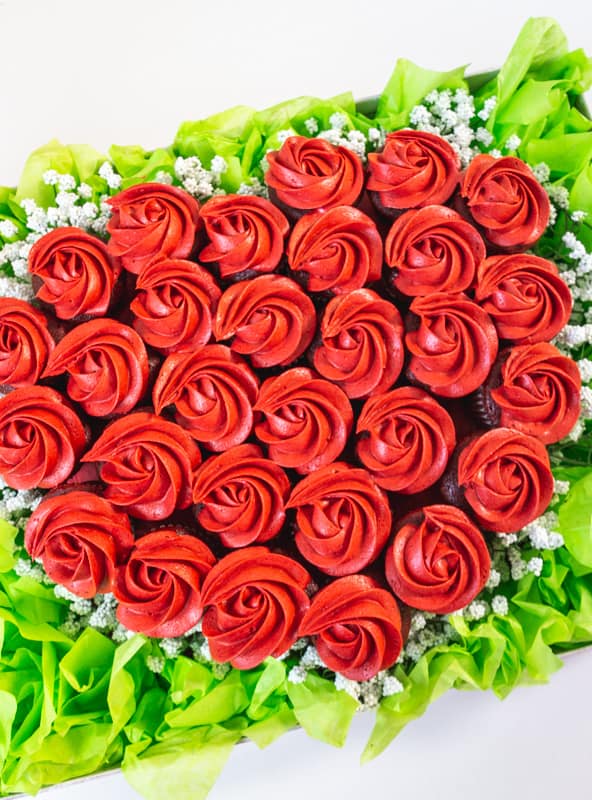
<point x="68" y="708"/>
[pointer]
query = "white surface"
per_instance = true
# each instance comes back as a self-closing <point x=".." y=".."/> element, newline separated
<point x="128" y="71"/>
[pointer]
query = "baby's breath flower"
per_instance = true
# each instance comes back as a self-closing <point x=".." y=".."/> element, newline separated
<point x="391" y="686"/>
<point x="484" y="136"/>
<point x="560" y="487"/>
<point x="579" y="216"/>
<point x="84" y="191"/>
<point x="535" y="565"/>
<point x="66" y="182"/>
<point x="559" y="195"/>
<point x="283" y="135"/>
<point x="585" y="367"/>
<point x="541" y="172"/>
<point x="155" y="664"/>
<point x="171" y="647"/>
<point x="513" y="142"/>
<point x="586" y="398"/>
<point x="420" y="116"/>
<point x="50" y="177"/>
<point x="8" y="229"/>
<point x="26" y="569"/>
<point x="311" y="125"/>
<point x="311" y="657"/>
<point x="476" y="610"/>
<point x="345" y="685"/>
<point x="499" y="605"/>
<point x="164" y="177"/>
<point x="494" y="579"/>
<point x="338" y="120"/>
<point x="220" y="671"/>
<point x="297" y="674"/>
<point x="218" y="165"/>
<point x="488" y="107"/>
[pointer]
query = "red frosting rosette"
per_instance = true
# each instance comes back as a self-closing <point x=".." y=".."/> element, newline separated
<point x="147" y="464"/>
<point x="337" y="250"/>
<point x="174" y="306"/>
<point x="241" y="496"/>
<point x="361" y="346"/>
<point x="453" y="344"/>
<point x="270" y="319"/>
<point x="151" y="222"/>
<point x="309" y="174"/>
<point x="25" y="343"/>
<point x="439" y="561"/>
<point x="213" y="392"/>
<point x="245" y="233"/>
<point x="433" y="249"/>
<point x="525" y="296"/>
<point x="80" y="539"/>
<point x="405" y="439"/>
<point x="505" y="477"/>
<point x="343" y="519"/>
<point x="413" y="169"/>
<point x="305" y="420"/>
<point x="107" y="367"/>
<point x="356" y="627"/>
<point x="41" y="438"/>
<point x="254" y="602"/>
<point x="159" y="588"/>
<point x="74" y="273"/>
<point x="539" y="393"/>
<point x="506" y="200"/>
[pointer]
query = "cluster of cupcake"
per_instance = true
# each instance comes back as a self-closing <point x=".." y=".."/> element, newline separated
<point x="296" y="416"/>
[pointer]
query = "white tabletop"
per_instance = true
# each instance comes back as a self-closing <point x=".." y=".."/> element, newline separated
<point x="128" y="71"/>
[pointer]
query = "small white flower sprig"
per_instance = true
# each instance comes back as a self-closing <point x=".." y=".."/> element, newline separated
<point x="454" y="116"/>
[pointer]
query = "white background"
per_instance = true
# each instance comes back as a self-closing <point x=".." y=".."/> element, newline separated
<point x="128" y="71"/>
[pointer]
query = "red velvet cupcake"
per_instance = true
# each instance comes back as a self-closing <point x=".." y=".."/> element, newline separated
<point x="361" y="348"/>
<point x="343" y="519"/>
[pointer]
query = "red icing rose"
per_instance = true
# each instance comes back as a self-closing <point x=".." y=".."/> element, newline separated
<point x="174" y="306"/>
<point x="107" y="367"/>
<point x="244" y="232"/>
<point x="75" y="272"/>
<point x="432" y="250"/>
<point x="41" y="438"/>
<point x="506" y="200"/>
<point x="454" y="345"/>
<point x="241" y="496"/>
<point x="342" y="520"/>
<point x="505" y="478"/>
<point x="159" y="588"/>
<point x="306" y="420"/>
<point x="213" y="392"/>
<point x="361" y="346"/>
<point x="151" y="222"/>
<point x="254" y="602"/>
<point x="337" y="250"/>
<point x="439" y="561"/>
<point x="80" y="539"/>
<point x="25" y="343"/>
<point x="539" y="392"/>
<point x="307" y="174"/>
<point x="525" y="296"/>
<point x="405" y="439"/>
<point x="270" y="319"/>
<point x="413" y="169"/>
<point x="356" y="627"/>
<point x="147" y="464"/>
